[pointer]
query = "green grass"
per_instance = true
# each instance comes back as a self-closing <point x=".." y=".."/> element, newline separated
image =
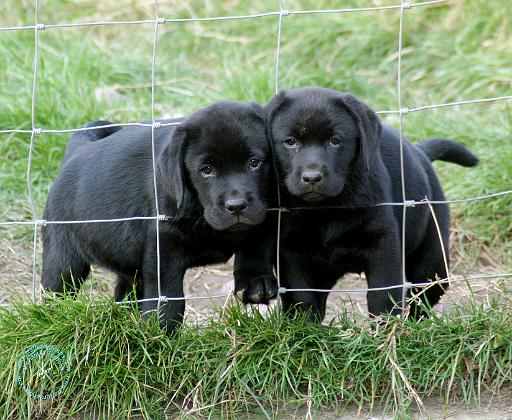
<point x="240" y="363"/>
<point x="452" y="52"/>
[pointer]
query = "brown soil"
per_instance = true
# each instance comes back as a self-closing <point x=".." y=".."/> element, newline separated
<point x="16" y="280"/>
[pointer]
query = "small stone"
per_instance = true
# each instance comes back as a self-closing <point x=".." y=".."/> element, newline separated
<point x="107" y="94"/>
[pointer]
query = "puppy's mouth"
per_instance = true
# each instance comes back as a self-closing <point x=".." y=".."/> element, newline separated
<point x="235" y="223"/>
<point x="241" y="223"/>
<point x="238" y="227"/>
<point x="313" y="196"/>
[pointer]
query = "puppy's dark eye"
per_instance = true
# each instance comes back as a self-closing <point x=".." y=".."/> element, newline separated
<point x="207" y="170"/>
<point x="334" y="141"/>
<point x="255" y="164"/>
<point x="291" y="142"/>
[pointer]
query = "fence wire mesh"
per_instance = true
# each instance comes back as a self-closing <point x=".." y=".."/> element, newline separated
<point x="281" y="16"/>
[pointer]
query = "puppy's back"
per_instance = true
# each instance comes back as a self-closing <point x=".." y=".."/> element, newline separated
<point x="115" y="169"/>
<point x="81" y="138"/>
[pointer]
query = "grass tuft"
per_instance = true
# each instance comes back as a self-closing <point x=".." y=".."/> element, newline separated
<point x="242" y="362"/>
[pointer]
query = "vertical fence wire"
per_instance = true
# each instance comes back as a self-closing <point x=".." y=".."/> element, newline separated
<point x="402" y="171"/>
<point x="32" y="205"/>
<point x="153" y="157"/>
<point x="282" y="11"/>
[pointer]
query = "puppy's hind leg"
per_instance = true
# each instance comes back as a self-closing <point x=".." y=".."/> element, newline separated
<point x="129" y="286"/>
<point x="64" y="269"/>
<point x="427" y="264"/>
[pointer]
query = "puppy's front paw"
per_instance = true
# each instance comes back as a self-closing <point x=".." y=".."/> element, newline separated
<point x="257" y="290"/>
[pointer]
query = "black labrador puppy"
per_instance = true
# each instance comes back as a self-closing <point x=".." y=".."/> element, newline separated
<point x="332" y="151"/>
<point x="213" y="175"/>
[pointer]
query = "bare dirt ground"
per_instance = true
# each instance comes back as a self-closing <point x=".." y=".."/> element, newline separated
<point x="498" y="407"/>
<point x="16" y="280"/>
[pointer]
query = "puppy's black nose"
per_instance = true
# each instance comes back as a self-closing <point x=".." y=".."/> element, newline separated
<point x="236" y="206"/>
<point x="311" y="177"/>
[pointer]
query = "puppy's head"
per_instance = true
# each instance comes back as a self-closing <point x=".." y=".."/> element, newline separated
<point x="319" y="137"/>
<point x="220" y="156"/>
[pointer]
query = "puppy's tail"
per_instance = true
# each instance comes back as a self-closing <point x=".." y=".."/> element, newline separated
<point x="449" y="151"/>
<point x="81" y="138"/>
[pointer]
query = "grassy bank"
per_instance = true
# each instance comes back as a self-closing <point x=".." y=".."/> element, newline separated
<point x="241" y="363"/>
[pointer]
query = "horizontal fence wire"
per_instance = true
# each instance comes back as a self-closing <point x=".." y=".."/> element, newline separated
<point x="158" y="124"/>
<point x="282" y="290"/>
<point x="160" y="20"/>
<point x="154" y="124"/>
<point x="162" y="217"/>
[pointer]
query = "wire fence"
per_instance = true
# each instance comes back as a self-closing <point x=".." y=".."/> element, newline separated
<point x="280" y="14"/>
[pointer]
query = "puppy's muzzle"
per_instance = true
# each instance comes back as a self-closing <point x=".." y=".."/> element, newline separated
<point x="312" y="178"/>
<point x="236" y="206"/>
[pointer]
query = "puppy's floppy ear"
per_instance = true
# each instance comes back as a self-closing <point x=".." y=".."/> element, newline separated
<point x="370" y="128"/>
<point x="273" y="107"/>
<point x="171" y="168"/>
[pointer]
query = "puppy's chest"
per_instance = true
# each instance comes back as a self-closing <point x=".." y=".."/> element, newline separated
<point x="202" y="242"/>
<point x="330" y="238"/>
